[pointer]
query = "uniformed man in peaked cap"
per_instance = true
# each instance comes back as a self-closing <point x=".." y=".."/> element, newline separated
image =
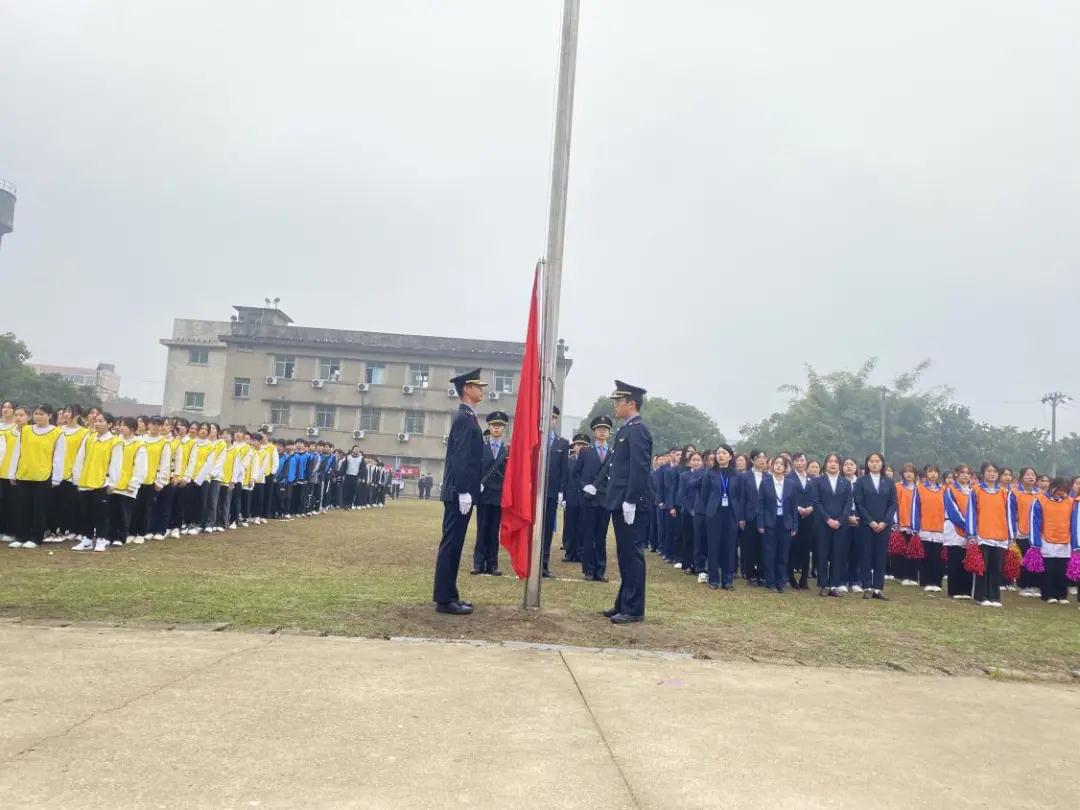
<point x="489" y="510"/>
<point x="629" y="497"/>
<point x="462" y="472"/>
<point x="593" y="467"/>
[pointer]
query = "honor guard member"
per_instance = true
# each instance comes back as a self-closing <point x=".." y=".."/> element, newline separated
<point x="593" y="467"/>
<point x="574" y="514"/>
<point x="629" y="495"/>
<point x="462" y="472"/>
<point x="489" y="510"/>
<point x="558" y="451"/>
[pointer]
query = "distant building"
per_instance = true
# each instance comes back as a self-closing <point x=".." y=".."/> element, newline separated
<point x="388" y="393"/>
<point x="103" y="379"/>
<point x="7" y="208"/>
<point x="120" y="408"/>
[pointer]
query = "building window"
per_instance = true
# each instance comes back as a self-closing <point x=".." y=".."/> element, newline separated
<point x="504" y="382"/>
<point x="241" y="387"/>
<point x="193" y="400"/>
<point x="414" y="422"/>
<point x="370" y="419"/>
<point x="329" y="369"/>
<point x="324" y="416"/>
<point x="419" y="376"/>
<point x="198" y="357"/>
<point x="279" y="414"/>
<point x="375" y="373"/>
<point x="284" y="366"/>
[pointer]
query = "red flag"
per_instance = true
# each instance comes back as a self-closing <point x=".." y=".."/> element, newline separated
<point x="519" y="486"/>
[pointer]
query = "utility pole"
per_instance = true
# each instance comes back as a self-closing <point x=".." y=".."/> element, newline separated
<point x="552" y="280"/>
<point x="1053" y="399"/>
<point x="883" y="391"/>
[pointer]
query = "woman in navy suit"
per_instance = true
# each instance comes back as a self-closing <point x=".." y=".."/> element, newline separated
<point x="721" y="493"/>
<point x="804" y="535"/>
<point x="875" y="500"/>
<point x="778" y="521"/>
<point x="832" y="495"/>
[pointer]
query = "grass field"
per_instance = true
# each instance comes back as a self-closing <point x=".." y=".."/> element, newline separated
<point x="369" y="573"/>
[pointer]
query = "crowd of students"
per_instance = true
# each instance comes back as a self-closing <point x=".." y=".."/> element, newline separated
<point x="779" y="521"/>
<point x="103" y="482"/>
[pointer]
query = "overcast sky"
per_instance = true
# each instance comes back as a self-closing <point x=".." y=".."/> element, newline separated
<point x="754" y="185"/>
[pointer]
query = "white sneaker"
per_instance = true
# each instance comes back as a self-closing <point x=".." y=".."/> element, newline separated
<point x="842" y="589"/>
<point x="995" y="604"/>
<point x="702" y="578"/>
<point x="14" y="544"/>
<point x="175" y="534"/>
<point x="101" y="545"/>
<point x="158" y="537"/>
<point x="1051" y="601"/>
<point x="132" y="538"/>
<point x="192" y="532"/>
<point x="29" y="544"/>
<point x="677" y="566"/>
<point x="137" y="540"/>
<point x="84" y="545"/>
<point x="232" y="525"/>
<point x="929" y="589"/>
<point x="1011" y="588"/>
<point x="963" y="596"/>
<point x="116" y="544"/>
<point x="856" y="588"/>
<point x="244" y="524"/>
<point x="986" y="603"/>
<point x="889" y="577"/>
<point x="908" y="582"/>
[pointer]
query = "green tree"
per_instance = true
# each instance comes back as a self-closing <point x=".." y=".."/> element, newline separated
<point x="670" y="423"/>
<point x="20" y="383"/>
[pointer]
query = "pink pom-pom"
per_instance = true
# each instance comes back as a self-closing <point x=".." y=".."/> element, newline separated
<point x="1010" y="566"/>
<point x="915" y="550"/>
<point x="973" y="560"/>
<point x="897" y="544"/>
<point x="1073" y="570"/>
<point x="1033" y="560"/>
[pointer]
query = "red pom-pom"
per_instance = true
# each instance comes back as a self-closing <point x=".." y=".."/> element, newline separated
<point x="1010" y="566"/>
<point x="973" y="560"/>
<point x="1073" y="569"/>
<point x="897" y="544"/>
<point x="944" y="554"/>
<point x="1033" y="560"/>
<point x="915" y="549"/>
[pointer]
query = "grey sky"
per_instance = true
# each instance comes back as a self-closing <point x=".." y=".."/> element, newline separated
<point x="754" y="185"/>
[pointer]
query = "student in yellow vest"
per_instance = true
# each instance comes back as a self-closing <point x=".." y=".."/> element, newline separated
<point x="66" y="522"/>
<point x="166" y="507"/>
<point x="91" y="475"/>
<point x="212" y="489"/>
<point x="259" y="456"/>
<point x="186" y="433"/>
<point x="158" y="470"/>
<point x="200" y="463"/>
<point x="272" y="457"/>
<point x="9" y="437"/>
<point x="37" y="471"/>
<point x="227" y="472"/>
<point x="250" y="461"/>
<point x="128" y="470"/>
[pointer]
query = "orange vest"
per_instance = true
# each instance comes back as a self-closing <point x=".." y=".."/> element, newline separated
<point x="991" y="513"/>
<point x="1056" y="520"/>
<point x="932" y="508"/>
<point x="1024" y="499"/>
<point x="904" y="499"/>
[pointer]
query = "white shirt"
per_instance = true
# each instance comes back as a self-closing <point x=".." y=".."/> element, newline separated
<point x="758" y="478"/>
<point x="876" y="478"/>
<point x="832" y="482"/>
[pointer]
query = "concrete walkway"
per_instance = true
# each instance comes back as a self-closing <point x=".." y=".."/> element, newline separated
<point x="117" y="718"/>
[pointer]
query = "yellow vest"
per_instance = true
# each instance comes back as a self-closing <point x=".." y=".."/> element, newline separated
<point x="177" y="456"/>
<point x="36" y="454"/>
<point x="202" y="452"/>
<point x="72" y="442"/>
<point x="127" y="464"/>
<point x="229" y="467"/>
<point x="96" y="458"/>
<point x="154" y="449"/>
<point x="10" y="438"/>
<point x="219" y="448"/>
<point x="249" y="473"/>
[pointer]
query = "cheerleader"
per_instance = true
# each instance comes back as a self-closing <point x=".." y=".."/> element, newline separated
<point x="955" y="532"/>
<point x="9" y="440"/>
<point x="993" y="525"/>
<point x="719" y="492"/>
<point x="66" y="520"/>
<point x="1026" y="492"/>
<point x="929" y="522"/>
<point x="90" y="473"/>
<point x="37" y="470"/>
<point x="906" y="494"/>
<point x="875" y="498"/>
<point x="850" y="470"/>
<point x="128" y="470"/>
<point x="1054" y="532"/>
<point x="779" y="521"/>
<point x="799" y="559"/>
<point x="1043" y="483"/>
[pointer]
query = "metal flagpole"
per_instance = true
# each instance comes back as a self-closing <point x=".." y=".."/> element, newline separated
<point x="552" y="280"/>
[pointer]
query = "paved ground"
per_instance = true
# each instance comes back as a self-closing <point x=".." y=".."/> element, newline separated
<point x="117" y="718"/>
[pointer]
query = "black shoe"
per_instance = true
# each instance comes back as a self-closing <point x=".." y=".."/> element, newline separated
<point x="880" y="595"/>
<point x="823" y="592"/>
<point x="547" y="575"/>
<point x="867" y="594"/>
<point x="729" y="587"/>
<point x="607" y="614"/>
<point x="713" y="586"/>
<point x="600" y="578"/>
<point x="495" y="573"/>
<point x="794" y="585"/>
<point x="779" y="590"/>
<point x="803" y="586"/>
<point x="476" y="571"/>
<point x="587" y="577"/>
<point x="453" y="608"/>
<point x="622" y="618"/>
<point x="464" y="603"/>
<point x="567" y="559"/>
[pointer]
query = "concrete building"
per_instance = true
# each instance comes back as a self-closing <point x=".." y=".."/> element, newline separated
<point x="388" y="393"/>
<point x="7" y="207"/>
<point x="103" y="379"/>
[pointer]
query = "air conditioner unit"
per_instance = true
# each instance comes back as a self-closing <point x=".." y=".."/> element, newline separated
<point x="403" y="437"/>
<point x="318" y="383"/>
<point x="272" y="380"/>
<point x="407" y="389"/>
<point x="452" y="392"/>
<point x="493" y="395"/>
<point x="362" y="387"/>
<point x="358" y="434"/>
<point x="266" y="428"/>
<point x="312" y="431"/>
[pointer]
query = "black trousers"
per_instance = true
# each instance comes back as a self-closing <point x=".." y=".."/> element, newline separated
<point x="831" y="555"/>
<point x="121" y="508"/>
<point x="686" y="539"/>
<point x="1055" y="585"/>
<point x="193" y="504"/>
<point x="573" y="517"/>
<point x="875" y="550"/>
<point x="162" y="516"/>
<point x="988" y="586"/>
<point x="66" y="512"/>
<point x="775" y="548"/>
<point x="932" y="569"/>
<point x="95" y="509"/>
<point x="9" y="524"/>
<point x="144" y="507"/>
<point x="269" y="492"/>
<point x="594" y="541"/>
<point x="486" y="550"/>
<point x="448" y="558"/>
<point x="32" y="501"/>
<point x="721" y="537"/>
<point x="1026" y="579"/>
<point x="551" y="509"/>
<point x="630" y="542"/>
<point x="751" y="552"/>
<point x="349" y="495"/>
<point x="960" y="580"/>
<point x="801" y="543"/>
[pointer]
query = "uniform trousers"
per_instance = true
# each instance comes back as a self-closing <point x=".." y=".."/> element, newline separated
<point x="686" y="539"/>
<point x="875" y="551"/>
<point x="66" y="512"/>
<point x="32" y="499"/>
<point x="932" y="569"/>
<point x="573" y="518"/>
<point x="144" y="507"/>
<point x="1026" y="578"/>
<point x="1055" y="585"/>
<point x="8" y="522"/>
<point x="701" y="544"/>
<point x="551" y="508"/>
<point x="960" y="580"/>
<point x="830" y="556"/>
<point x="594" y="541"/>
<point x="161" y="518"/>
<point x="630" y="542"/>
<point x="799" y="559"/>
<point x="349" y="494"/>
<point x="95" y="510"/>
<point x="486" y="550"/>
<point x="751" y="558"/>
<point x="448" y="558"/>
<point x="988" y="586"/>
<point x="775" y="549"/>
<point x="269" y="492"/>
<point x="121" y="508"/>
<point x="720" y="534"/>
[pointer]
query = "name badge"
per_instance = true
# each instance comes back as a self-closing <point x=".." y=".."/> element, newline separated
<point x="779" y="509"/>
<point x="724" y="501"/>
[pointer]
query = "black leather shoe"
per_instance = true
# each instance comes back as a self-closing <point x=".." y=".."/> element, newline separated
<point x="547" y="575"/>
<point x="607" y="614"/>
<point x="454" y="608"/>
<point x="622" y="618"/>
<point x="714" y="586"/>
<point x="567" y="559"/>
<point x="476" y="571"/>
<point x="587" y="577"/>
<point x="881" y="596"/>
<point x="495" y="573"/>
<point x="729" y="587"/>
<point x="601" y="578"/>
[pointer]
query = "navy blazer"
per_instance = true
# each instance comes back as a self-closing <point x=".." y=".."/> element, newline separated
<point x="558" y="456"/>
<point x="630" y="480"/>
<point x="751" y="497"/>
<point x="876" y="505"/>
<point x="692" y="486"/>
<point x="464" y="457"/>
<point x="671" y="484"/>
<point x="712" y="493"/>
<point x="829" y="504"/>
<point x="492" y="475"/>
<point x="658" y="484"/>
<point x="803" y="498"/>
<point x="788" y="501"/>
<point x="571" y="490"/>
<point x="590" y="470"/>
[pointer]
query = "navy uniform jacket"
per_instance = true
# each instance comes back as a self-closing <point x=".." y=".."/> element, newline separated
<point x="571" y="487"/>
<point x="751" y="497"/>
<point x="558" y="454"/>
<point x="876" y="505"/>
<point x="658" y="485"/>
<point x="829" y="504"/>
<point x="630" y="480"/>
<point x="671" y="485"/>
<point x="712" y="492"/>
<point x="464" y="457"/>
<point x="803" y="498"/>
<point x="588" y="469"/>
<point x="492" y="474"/>
<point x="788" y="501"/>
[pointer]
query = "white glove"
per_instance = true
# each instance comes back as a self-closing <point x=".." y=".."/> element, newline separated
<point x="589" y="489"/>
<point x="562" y="503"/>
<point x="464" y="503"/>
<point x="629" y="511"/>
<point x="481" y="489"/>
